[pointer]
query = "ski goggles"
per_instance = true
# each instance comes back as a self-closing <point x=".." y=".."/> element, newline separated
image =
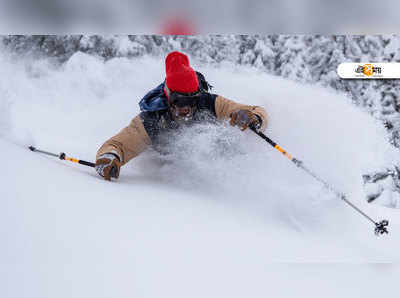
<point x="183" y="100"/>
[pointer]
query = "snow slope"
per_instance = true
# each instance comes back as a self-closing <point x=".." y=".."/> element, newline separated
<point x="223" y="215"/>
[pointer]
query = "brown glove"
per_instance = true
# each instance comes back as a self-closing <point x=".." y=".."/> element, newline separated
<point x="244" y="119"/>
<point x="108" y="165"/>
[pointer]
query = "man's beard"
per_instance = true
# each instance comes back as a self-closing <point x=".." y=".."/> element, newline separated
<point x="183" y="119"/>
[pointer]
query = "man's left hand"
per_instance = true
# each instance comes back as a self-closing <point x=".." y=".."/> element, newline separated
<point x="244" y="119"/>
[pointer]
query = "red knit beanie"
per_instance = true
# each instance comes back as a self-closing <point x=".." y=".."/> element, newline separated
<point x="180" y="77"/>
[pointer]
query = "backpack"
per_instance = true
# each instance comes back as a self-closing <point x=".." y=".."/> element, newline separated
<point x="204" y="86"/>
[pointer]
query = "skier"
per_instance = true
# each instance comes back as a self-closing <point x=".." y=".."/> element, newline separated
<point x="182" y="99"/>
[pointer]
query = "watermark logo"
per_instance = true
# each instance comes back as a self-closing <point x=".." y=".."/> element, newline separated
<point x="369" y="70"/>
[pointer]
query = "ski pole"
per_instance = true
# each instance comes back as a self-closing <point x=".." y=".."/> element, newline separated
<point x="380" y="227"/>
<point x="63" y="156"/>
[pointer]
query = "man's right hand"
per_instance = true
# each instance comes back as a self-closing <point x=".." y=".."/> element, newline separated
<point x="108" y="165"/>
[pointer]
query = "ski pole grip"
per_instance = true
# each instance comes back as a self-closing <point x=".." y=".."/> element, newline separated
<point x="87" y="163"/>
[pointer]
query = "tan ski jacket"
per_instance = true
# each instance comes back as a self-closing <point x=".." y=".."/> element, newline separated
<point x="143" y="129"/>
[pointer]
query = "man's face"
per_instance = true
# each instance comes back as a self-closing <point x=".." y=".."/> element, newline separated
<point x="183" y="106"/>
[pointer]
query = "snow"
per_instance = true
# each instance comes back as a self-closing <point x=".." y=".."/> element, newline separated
<point x="222" y="215"/>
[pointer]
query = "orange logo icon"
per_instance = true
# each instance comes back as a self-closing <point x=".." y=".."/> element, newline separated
<point x="368" y="69"/>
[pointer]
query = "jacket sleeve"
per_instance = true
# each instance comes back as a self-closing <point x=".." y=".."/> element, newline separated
<point x="225" y="107"/>
<point x="128" y="143"/>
